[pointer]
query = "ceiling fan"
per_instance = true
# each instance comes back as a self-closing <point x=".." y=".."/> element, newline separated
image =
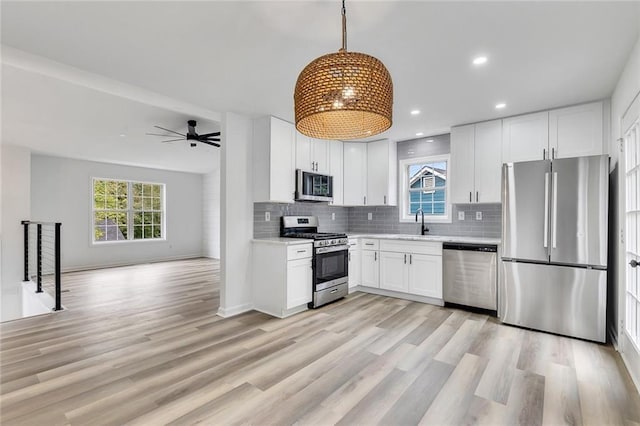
<point x="191" y="135"/>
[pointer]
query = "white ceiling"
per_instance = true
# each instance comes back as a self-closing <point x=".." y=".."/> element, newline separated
<point x="52" y="116"/>
<point x="245" y="56"/>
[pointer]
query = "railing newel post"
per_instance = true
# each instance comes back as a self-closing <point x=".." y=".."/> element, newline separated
<point x="39" y="260"/>
<point x="57" y="267"/>
<point x="25" y="224"/>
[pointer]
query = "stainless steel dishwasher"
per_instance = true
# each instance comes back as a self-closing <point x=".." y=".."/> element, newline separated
<point x="469" y="274"/>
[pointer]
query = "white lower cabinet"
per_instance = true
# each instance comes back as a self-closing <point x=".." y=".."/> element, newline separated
<point x="355" y="265"/>
<point x="282" y="277"/>
<point x="370" y="269"/>
<point x="393" y="271"/>
<point x="413" y="267"/>
<point x="425" y="275"/>
<point x="299" y="283"/>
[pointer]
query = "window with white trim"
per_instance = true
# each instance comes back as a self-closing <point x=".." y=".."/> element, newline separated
<point x="423" y="185"/>
<point x="127" y="210"/>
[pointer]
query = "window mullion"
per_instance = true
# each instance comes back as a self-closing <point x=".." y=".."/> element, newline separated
<point x="129" y="209"/>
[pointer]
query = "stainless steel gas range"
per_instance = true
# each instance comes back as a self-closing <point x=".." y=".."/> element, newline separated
<point x="330" y="258"/>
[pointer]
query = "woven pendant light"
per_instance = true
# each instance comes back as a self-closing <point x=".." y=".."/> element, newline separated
<point x="343" y="95"/>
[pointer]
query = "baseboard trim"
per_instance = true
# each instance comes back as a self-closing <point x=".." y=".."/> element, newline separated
<point x="234" y="310"/>
<point x="405" y="296"/>
<point x="629" y="361"/>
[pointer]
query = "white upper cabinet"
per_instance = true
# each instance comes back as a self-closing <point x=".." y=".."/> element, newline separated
<point x="568" y="132"/>
<point x="576" y="131"/>
<point x="274" y="160"/>
<point x="320" y="155"/>
<point x="370" y="173"/>
<point x="525" y="138"/>
<point x="336" y="164"/>
<point x="488" y="163"/>
<point x="475" y="163"/>
<point x="303" y="152"/>
<point x="312" y="154"/>
<point x="381" y="172"/>
<point x="355" y="173"/>
<point x="462" y="164"/>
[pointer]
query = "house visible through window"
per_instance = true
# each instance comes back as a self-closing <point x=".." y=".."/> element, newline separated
<point x="126" y="210"/>
<point x="424" y="186"/>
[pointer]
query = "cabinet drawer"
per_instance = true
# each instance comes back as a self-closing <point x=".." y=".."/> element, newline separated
<point x="299" y="251"/>
<point x="417" y="247"/>
<point x="353" y="243"/>
<point x="370" y="244"/>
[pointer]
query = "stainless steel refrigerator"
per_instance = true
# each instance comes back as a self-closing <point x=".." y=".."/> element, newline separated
<point x="554" y="246"/>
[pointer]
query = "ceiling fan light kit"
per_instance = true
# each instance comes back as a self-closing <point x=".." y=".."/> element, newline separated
<point x="343" y="95"/>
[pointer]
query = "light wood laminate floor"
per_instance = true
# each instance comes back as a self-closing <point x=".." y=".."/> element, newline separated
<point x="143" y="345"/>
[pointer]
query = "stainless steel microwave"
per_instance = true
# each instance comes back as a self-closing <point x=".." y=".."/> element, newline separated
<point x="313" y="186"/>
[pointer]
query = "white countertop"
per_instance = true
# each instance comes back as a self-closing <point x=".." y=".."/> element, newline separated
<point x="435" y="238"/>
<point x="281" y="240"/>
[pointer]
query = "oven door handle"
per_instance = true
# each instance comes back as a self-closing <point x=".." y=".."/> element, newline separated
<point x="322" y="250"/>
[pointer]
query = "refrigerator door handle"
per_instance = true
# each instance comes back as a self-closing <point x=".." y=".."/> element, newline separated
<point x="546" y="210"/>
<point x="554" y="225"/>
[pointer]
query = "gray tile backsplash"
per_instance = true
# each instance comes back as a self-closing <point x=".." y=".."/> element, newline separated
<point x="384" y="220"/>
<point x="263" y="229"/>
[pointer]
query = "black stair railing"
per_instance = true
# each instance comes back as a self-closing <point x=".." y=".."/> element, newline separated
<point x="45" y="249"/>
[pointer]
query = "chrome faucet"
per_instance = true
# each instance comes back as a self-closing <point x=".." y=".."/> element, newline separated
<point x="423" y="229"/>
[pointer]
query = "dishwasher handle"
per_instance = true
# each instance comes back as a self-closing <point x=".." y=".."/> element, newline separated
<point x="490" y="248"/>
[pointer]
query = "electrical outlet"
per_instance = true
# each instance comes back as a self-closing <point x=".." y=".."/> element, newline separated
<point x="460" y="215"/>
<point x="369" y="216"/>
<point x="267" y="216"/>
<point x="478" y="215"/>
<point x="333" y="215"/>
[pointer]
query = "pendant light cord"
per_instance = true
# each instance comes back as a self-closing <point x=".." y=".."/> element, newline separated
<point x="344" y="27"/>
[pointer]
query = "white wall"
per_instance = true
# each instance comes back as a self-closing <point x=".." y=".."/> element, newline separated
<point x="211" y="214"/>
<point x="236" y="213"/>
<point x="61" y="192"/>
<point x="627" y="88"/>
<point x="16" y="181"/>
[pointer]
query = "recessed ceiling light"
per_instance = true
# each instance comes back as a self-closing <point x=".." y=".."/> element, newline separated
<point x="122" y="135"/>
<point x="429" y="140"/>
<point x="419" y="134"/>
<point x="500" y="105"/>
<point x="415" y="112"/>
<point x="480" y="60"/>
<point x="411" y="152"/>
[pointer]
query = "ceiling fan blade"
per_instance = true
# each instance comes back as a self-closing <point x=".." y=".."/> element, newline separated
<point x="210" y="134"/>
<point x="201" y="139"/>
<point x="169" y="130"/>
<point x="158" y="134"/>
<point x="173" y="140"/>
<point x="211" y="143"/>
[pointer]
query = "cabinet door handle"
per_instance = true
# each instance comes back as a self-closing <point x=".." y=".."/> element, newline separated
<point x="405" y="259"/>
<point x="385" y="199"/>
<point x="302" y="251"/>
<point x="544" y="153"/>
<point x="469" y="196"/>
<point x="553" y="153"/>
<point x="410" y="259"/>
<point x="365" y="200"/>
<point x="349" y="256"/>
<point x="368" y="244"/>
<point x="375" y="256"/>
<point x="476" y="196"/>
